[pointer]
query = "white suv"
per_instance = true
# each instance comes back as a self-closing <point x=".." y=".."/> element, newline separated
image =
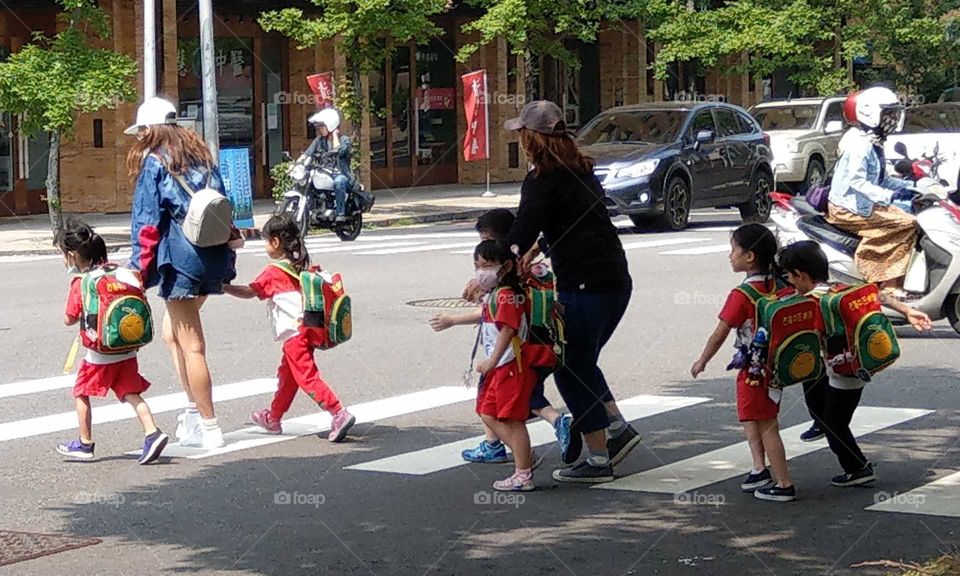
<point x="804" y="134"/>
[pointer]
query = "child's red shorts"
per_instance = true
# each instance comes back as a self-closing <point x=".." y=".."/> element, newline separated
<point x="505" y="392"/>
<point x="98" y="379"/>
<point x="754" y="402"/>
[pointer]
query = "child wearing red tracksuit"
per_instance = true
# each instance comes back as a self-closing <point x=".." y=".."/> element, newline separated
<point x="298" y="369"/>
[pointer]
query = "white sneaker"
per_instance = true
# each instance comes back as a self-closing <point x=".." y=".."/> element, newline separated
<point x="212" y="438"/>
<point x="188" y="429"/>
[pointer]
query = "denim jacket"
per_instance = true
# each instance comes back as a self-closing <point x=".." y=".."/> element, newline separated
<point x="321" y="145"/>
<point x="860" y="180"/>
<point x="159" y="204"/>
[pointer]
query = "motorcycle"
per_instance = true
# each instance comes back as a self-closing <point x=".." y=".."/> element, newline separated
<point x="933" y="277"/>
<point x="312" y="202"/>
<point x="928" y="166"/>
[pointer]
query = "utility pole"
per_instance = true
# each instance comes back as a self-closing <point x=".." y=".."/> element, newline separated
<point x="149" y="49"/>
<point x="211" y="130"/>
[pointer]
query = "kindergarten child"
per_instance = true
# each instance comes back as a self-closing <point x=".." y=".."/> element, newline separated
<point x="495" y="225"/>
<point x="753" y="252"/>
<point x="85" y="253"/>
<point x="279" y="284"/>
<point x="833" y="403"/>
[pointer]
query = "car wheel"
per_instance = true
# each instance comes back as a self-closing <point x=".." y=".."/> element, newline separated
<point x="815" y="175"/>
<point x="757" y="208"/>
<point x="676" y="205"/>
<point x="643" y="223"/>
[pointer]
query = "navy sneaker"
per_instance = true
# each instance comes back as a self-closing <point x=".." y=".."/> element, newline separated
<point x="76" y="449"/>
<point x="619" y="447"/>
<point x="486" y="453"/>
<point x="153" y="445"/>
<point x="776" y="494"/>
<point x="754" y="481"/>
<point x="584" y="473"/>
<point x="813" y="434"/>
<point x="864" y="476"/>
<point x="570" y="441"/>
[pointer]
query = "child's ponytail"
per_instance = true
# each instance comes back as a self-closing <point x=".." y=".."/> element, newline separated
<point x="77" y="236"/>
<point x="283" y="228"/>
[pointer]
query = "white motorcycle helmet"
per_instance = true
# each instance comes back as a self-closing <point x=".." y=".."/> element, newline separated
<point x="329" y="117"/>
<point x="879" y="110"/>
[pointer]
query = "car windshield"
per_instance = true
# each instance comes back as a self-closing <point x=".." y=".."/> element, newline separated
<point x="647" y="126"/>
<point x="787" y="117"/>
<point x="932" y="118"/>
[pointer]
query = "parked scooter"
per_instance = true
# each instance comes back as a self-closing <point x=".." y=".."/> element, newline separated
<point x="312" y="201"/>
<point x="934" y="273"/>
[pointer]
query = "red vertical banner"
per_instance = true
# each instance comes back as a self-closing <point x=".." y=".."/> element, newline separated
<point x="322" y="87"/>
<point x="476" y="143"/>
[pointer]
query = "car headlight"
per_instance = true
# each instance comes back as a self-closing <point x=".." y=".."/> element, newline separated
<point x="298" y="173"/>
<point x="638" y="170"/>
<point x="786" y="147"/>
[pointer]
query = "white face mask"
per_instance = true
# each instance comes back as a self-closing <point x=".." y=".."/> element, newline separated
<point x="487" y="278"/>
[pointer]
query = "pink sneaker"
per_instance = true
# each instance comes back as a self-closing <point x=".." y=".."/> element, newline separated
<point x="515" y="483"/>
<point x="342" y="421"/>
<point x="264" y="420"/>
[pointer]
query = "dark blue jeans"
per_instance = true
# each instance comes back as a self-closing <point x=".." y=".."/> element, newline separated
<point x="590" y="320"/>
<point x="341" y="184"/>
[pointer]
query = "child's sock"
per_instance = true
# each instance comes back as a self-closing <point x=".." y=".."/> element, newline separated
<point x="191" y="408"/>
<point x="598" y="459"/>
<point x="210" y="424"/>
<point x="760" y="471"/>
<point x="616" y="428"/>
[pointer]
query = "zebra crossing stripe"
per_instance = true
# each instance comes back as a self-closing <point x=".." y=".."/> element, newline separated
<point x="715" y="249"/>
<point x="447" y="456"/>
<point x="348" y="247"/>
<point x="938" y="498"/>
<point x="39" y="385"/>
<point x="658" y="243"/>
<point x="734" y="460"/>
<point x="366" y="252"/>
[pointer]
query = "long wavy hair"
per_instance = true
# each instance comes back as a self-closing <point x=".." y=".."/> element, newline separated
<point x="183" y="149"/>
<point x="550" y="153"/>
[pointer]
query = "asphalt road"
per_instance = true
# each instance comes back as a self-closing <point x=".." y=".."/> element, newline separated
<point x="375" y="505"/>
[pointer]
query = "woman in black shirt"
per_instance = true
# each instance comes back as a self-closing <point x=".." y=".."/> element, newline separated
<point x="563" y="200"/>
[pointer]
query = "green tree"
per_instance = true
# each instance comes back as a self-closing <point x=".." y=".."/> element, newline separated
<point x="52" y="79"/>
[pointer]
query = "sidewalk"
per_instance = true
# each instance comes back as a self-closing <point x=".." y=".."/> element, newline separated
<point x="21" y="235"/>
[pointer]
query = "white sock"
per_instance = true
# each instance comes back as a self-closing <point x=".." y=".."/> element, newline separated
<point x="757" y="471"/>
<point x="210" y="424"/>
<point x="191" y="408"/>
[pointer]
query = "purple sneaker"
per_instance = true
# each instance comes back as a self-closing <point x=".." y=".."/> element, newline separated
<point x="76" y="449"/>
<point x="342" y="421"/>
<point x="264" y="420"/>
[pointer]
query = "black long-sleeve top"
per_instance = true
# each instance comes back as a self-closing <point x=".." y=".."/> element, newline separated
<point x="568" y="209"/>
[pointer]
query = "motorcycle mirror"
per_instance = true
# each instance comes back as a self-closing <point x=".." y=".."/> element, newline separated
<point x="903" y="167"/>
<point x="901" y="149"/>
<point x="286" y="156"/>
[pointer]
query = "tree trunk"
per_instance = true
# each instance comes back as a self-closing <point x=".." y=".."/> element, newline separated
<point x="531" y="76"/>
<point x="53" y="184"/>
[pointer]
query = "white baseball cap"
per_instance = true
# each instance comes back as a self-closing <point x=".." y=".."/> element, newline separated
<point x="152" y="112"/>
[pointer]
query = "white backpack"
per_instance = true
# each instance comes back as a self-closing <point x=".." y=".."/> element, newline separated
<point x="209" y="218"/>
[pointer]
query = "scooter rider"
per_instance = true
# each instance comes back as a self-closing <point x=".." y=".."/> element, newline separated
<point x="329" y="143"/>
<point x="862" y="191"/>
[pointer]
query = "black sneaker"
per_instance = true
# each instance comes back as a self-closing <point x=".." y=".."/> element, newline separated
<point x="584" y="473"/>
<point x="754" y="481"/>
<point x="813" y="434"/>
<point x="619" y="447"/>
<point x="864" y="476"/>
<point x="776" y="494"/>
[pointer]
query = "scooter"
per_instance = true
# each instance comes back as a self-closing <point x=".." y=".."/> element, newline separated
<point x="926" y="167"/>
<point x="312" y="201"/>
<point x="934" y="273"/>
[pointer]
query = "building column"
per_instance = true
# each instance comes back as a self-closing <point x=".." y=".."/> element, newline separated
<point x="657" y="82"/>
<point x="642" y="62"/>
<point x="171" y="53"/>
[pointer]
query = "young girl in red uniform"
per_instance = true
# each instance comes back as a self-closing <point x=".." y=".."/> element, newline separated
<point x="753" y="252"/>
<point x="83" y="251"/>
<point x="298" y="369"/>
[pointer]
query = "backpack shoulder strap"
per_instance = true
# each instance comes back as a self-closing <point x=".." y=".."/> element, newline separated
<point x="286" y="267"/>
<point x="750" y="292"/>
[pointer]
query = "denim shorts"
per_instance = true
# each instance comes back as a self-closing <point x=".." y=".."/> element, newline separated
<point x="177" y="286"/>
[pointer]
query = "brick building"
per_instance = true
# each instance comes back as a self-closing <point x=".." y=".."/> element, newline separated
<point x="264" y="100"/>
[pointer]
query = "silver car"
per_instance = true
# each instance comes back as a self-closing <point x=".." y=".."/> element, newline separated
<point x="804" y="134"/>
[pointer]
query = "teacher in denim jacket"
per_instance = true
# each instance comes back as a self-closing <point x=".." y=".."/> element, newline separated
<point x="862" y="191"/>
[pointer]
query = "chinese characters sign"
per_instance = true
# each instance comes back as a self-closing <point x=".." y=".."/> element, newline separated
<point x="476" y="145"/>
<point x="323" y="90"/>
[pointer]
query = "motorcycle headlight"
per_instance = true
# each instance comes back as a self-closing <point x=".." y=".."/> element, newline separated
<point x="298" y="173"/>
<point x="638" y="170"/>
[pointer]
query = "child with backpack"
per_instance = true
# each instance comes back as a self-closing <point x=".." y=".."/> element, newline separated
<point x="835" y="398"/>
<point x="115" y="321"/>
<point x="753" y="253"/>
<point x="495" y="225"/>
<point x="301" y="328"/>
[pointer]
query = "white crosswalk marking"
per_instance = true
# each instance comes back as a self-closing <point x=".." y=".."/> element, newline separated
<point x="938" y="498"/>
<point x="35" y="386"/>
<point x="410" y="250"/>
<point x="374" y="411"/>
<point x="658" y="243"/>
<point x="732" y="461"/>
<point x="332" y="248"/>
<point x="116" y="412"/>
<point x="447" y="456"/>
<point x="715" y="249"/>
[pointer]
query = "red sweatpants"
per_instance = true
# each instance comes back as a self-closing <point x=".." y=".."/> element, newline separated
<point x="298" y="369"/>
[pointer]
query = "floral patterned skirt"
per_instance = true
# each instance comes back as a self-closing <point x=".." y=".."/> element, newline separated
<point x="889" y="236"/>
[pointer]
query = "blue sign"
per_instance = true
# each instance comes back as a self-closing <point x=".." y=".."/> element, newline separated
<point x="235" y="170"/>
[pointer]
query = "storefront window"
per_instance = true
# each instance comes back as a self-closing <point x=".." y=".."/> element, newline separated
<point x="378" y="120"/>
<point x="6" y="153"/>
<point x="401" y="125"/>
<point x="436" y="105"/>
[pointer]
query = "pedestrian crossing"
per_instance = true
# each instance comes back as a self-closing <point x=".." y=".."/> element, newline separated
<point x="939" y="497"/>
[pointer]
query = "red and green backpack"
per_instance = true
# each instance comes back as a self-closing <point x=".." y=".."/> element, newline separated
<point x="861" y="340"/>
<point x="326" y="305"/>
<point x="116" y="316"/>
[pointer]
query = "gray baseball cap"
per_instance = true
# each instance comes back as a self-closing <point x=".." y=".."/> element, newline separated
<point x="541" y="116"/>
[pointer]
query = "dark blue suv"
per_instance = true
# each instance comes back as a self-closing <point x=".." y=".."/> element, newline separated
<point x="658" y="161"/>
